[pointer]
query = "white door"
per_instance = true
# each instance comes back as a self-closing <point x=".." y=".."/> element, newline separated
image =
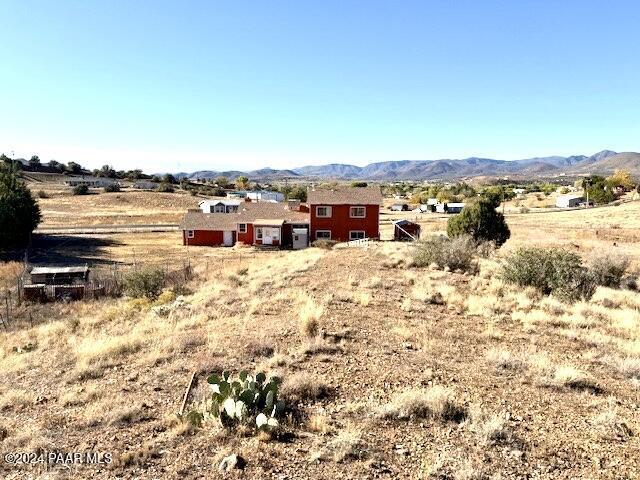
<point x="267" y="236"/>
<point x="228" y="239"/>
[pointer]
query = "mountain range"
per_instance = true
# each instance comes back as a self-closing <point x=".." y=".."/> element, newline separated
<point x="604" y="162"/>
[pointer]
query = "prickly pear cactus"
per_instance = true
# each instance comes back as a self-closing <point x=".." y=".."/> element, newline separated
<point x="247" y="399"/>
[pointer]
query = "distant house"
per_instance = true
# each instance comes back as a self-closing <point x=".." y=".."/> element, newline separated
<point x="219" y="206"/>
<point x="265" y="196"/>
<point x="259" y="223"/>
<point x="405" y="230"/>
<point x="453" y="207"/>
<point x="344" y="214"/>
<point x="399" y="207"/>
<point x="90" y="181"/>
<point x="237" y="194"/>
<point x="567" y="201"/>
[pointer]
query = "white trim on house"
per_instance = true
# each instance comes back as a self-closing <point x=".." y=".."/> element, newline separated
<point x="191" y="234"/>
<point x="359" y="237"/>
<point x="242" y="228"/>
<point x="328" y="211"/>
<point x="323" y="232"/>
<point x="364" y="211"/>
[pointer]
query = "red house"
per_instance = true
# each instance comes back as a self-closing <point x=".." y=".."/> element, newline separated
<point x="262" y="223"/>
<point x="343" y="214"/>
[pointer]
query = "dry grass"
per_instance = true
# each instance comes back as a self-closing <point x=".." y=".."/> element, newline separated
<point x="570" y="377"/>
<point x="309" y="318"/>
<point x="347" y="445"/>
<point x="505" y="361"/>
<point x="303" y="387"/>
<point x="436" y="403"/>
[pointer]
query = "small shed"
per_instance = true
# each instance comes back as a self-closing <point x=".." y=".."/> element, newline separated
<point x="399" y="207"/>
<point x="59" y="275"/>
<point x="406" y="230"/>
<point x="568" y="201"/>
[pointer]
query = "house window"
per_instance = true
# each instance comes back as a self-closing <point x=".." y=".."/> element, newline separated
<point x="190" y="234"/>
<point x="323" y="234"/>
<point x="242" y="227"/>
<point x="258" y="233"/>
<point x="219" y="209"/>
<point x="358" y="212"/>
<point x="357" y="234"/>
<point x="323" y="212"/>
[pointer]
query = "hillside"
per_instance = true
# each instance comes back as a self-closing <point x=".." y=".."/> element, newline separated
<point x="413" y="373"/>
<point x="603" y="162"/>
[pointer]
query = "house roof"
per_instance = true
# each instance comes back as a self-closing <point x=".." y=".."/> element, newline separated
<point x="217" y="201"/>
<point x="345" y="196"/>
<point x="276" y="213"/>
<point x="209" y="221"/>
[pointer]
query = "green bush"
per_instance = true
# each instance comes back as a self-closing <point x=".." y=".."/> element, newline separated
<point x="165" y="188"/>
<point x="147" y="283"/>
<point x="456" y="253"/>
<point x="80" y="190"/>
<point x="551" y="271"/>
<point x="608" y="269"/>
<point x="112" y="188"/>
<point x="19" y="211"/>
<point x="480" y="220"/>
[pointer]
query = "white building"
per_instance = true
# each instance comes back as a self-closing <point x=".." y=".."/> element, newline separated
<point x="566" y="201"/>
<point x="265" y="196"/>
<point x="219" y="206"/>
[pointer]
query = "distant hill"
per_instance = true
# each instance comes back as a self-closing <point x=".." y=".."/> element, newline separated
<point x="604" y="162"/>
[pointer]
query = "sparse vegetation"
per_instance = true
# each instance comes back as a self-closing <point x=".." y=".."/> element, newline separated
<point x="453" y="254"/>
<point x="146" y="282"/>
<point x="437" y="403"/>
<point x="81" y="189"/>
<point x="551" y="271"/>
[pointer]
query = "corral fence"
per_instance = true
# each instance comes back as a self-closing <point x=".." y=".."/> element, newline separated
<point x="16" y="303"/>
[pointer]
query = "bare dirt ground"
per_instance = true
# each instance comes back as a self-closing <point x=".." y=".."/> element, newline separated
<point x="116" y="371"/>
<point x="415" y="373"/>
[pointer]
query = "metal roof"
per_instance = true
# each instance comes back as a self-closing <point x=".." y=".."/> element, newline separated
<point x="55" y="270"/>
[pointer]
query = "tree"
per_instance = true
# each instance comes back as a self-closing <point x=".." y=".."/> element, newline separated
<point x="298" y="193"/>
<point x="73" y="167"/>
<point x="19" y="211"/>
<point x="57" y="166"/>
<point x="222" y="182"/>
<point x="621" y="179"/>
<point x="480" y="220"/>
<point x="34" y="161"/>
<point x="168" y="178"/>
<point x="242" y="182"/>
<point x="107" y="171"/>
<point x="359" y="184"/>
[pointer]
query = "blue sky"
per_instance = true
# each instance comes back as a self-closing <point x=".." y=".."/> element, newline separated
<point x="239" y="85"/>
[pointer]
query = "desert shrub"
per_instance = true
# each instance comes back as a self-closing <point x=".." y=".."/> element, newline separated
<point x="112" y="188"/>
<point x="482" y="221"/>
<point x="42" y="194"/>
<point x="324" y="244"/>
<point x="551" y="271"/>
<point x="455" y="254"/>
<point x="165" y="188"/>
<point x="246" y="400"/>
<point x="80" y="190"/>
<point x="608" y="269"/>
<point x="436" y="403"/>
<point x="147" y="283"/>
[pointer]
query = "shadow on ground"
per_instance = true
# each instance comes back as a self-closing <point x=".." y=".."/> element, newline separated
<point x="70" y="250"/>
